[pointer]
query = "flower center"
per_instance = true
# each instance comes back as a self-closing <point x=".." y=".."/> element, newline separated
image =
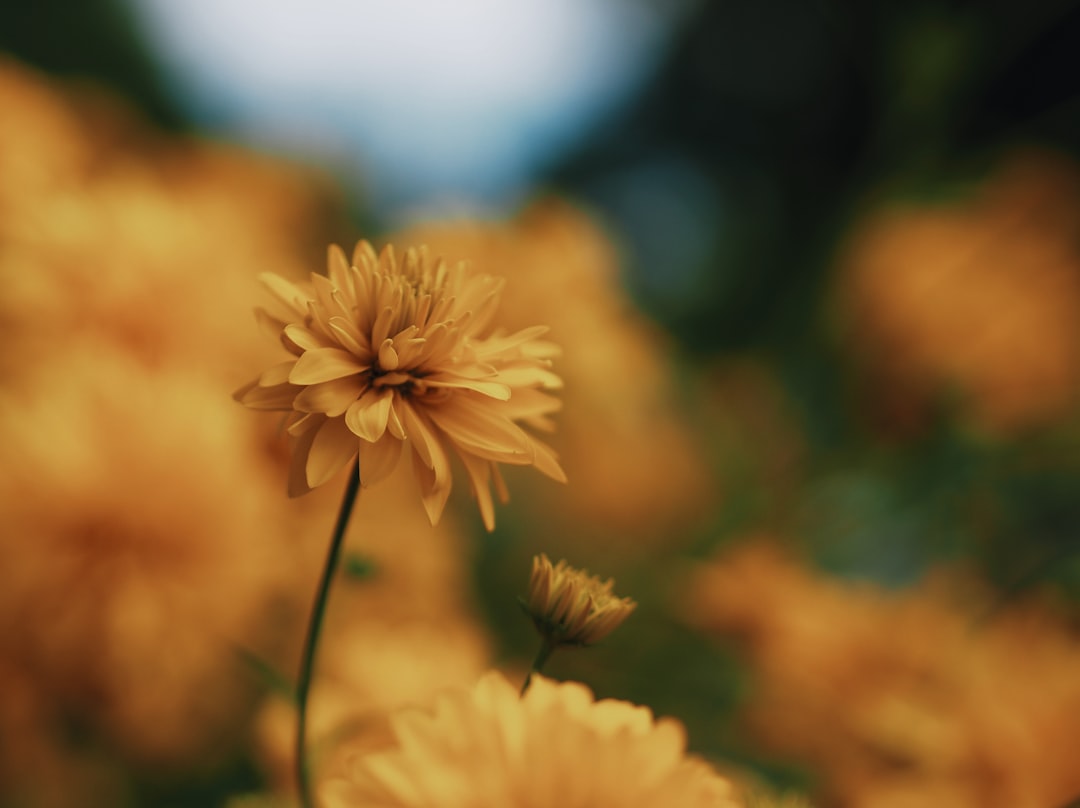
<point x="406" y="384"/>
<point x="391" y="378"/>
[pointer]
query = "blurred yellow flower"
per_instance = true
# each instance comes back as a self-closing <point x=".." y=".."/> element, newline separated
<point x="131" y="569"/>
<point x="370" y="669"/>
<point x="976" y="300"/>
<point x="900" y="698"/>
<point x="571" y="607"/>
<point x="556" y="746"/>
<point x="388" y="351"/>
<point x="100" y="223"/>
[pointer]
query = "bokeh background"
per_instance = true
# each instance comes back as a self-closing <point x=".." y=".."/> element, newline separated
<point x="815" y="267"/>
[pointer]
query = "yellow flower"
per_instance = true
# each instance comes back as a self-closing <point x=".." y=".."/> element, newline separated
<point x="571" y="607"/>
<point x="556" y="746"/>
<point x="387" y="352"/>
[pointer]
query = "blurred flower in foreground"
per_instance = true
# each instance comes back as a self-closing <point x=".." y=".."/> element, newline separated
<point x="977" y="298"/>
<point x="388" y="351"/>
<point x="638" y="474"/>
<point x="902" y="698"/>
<point x="571" y="607"/>
<point x="111" y="231"/>
<point x="556" y="746"/>
<point x="369" y="668"/>
<point x="133" y="563"/>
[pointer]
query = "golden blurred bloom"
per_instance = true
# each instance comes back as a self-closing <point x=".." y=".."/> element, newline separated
<point x="571" y="607"/>
<point x="388" y="351"/>
<point x="130" y="568"/>
<point x="901" y="698"/>
<point x="369" y="669"/>
<point x="103" y="219"/>
<point x="555" y="746"/>
<point x="975" y="299"/>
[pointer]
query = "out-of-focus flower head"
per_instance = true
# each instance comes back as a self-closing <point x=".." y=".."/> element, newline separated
<point x="138" y="554"/>
<point x="978" y="299"/>
<point x="388" y="351"/>
<point x="569" y="606"/>
<point x="638" y="474"/>
<point x="555" y="746"/>
<point x="367" y="670"/>
<point x="900" y="698"/>
<point x="111" y="231"/>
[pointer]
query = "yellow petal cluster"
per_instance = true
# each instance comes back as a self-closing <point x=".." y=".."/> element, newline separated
<point x="555" y="746"/>
<point x="388" y="351"/>
<point x="571" y="607"/>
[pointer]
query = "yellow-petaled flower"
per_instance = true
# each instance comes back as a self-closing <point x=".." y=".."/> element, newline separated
<point x="571" y="607"/>
<point x="555" y="747"/>
<point x="389" y="351"/>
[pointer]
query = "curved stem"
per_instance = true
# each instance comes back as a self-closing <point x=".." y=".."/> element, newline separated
<point x="311" y="640"/>
<point x="546" y="649"/>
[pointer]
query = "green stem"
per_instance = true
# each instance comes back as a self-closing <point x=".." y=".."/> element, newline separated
<point x="311" y="641"/>
<point x="546" y="649"/>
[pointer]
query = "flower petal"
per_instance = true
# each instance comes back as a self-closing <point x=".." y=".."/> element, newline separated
<point x="333" y="397"/>
<point x="481" y="427"/>
<point x="296" y="424"/>
<point x="337" y="266"/>
<point x="388" y="357"/>
<point x="501" y="343"/>
<point x="278" y="374"/>
<point x="393" y="423"/>
<point x="530" y="375"/>
<point x="479" y="471"/>
<point x="496" y="390"/>
<point x="420" y="434"/>
<point x="349" y="336"/>
<point x="433" y="493"/>
<point x="547" y="462"/>
<point x="377" y="460"/>
<point x="324" y="364"/>
<point x="383" y="323"/>
<point x="279" y="397"/>
<point x="269" y="323"/>
<point x="333" y="446"/>
<point x="303" y="338"/>
<point x="294" y="297"/>
<point x="367" y="416"/>
<point x="298" y="468"/>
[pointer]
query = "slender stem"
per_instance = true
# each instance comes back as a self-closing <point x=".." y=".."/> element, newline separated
<point x="546" y="649"/>
<point x="311" y="641"/>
